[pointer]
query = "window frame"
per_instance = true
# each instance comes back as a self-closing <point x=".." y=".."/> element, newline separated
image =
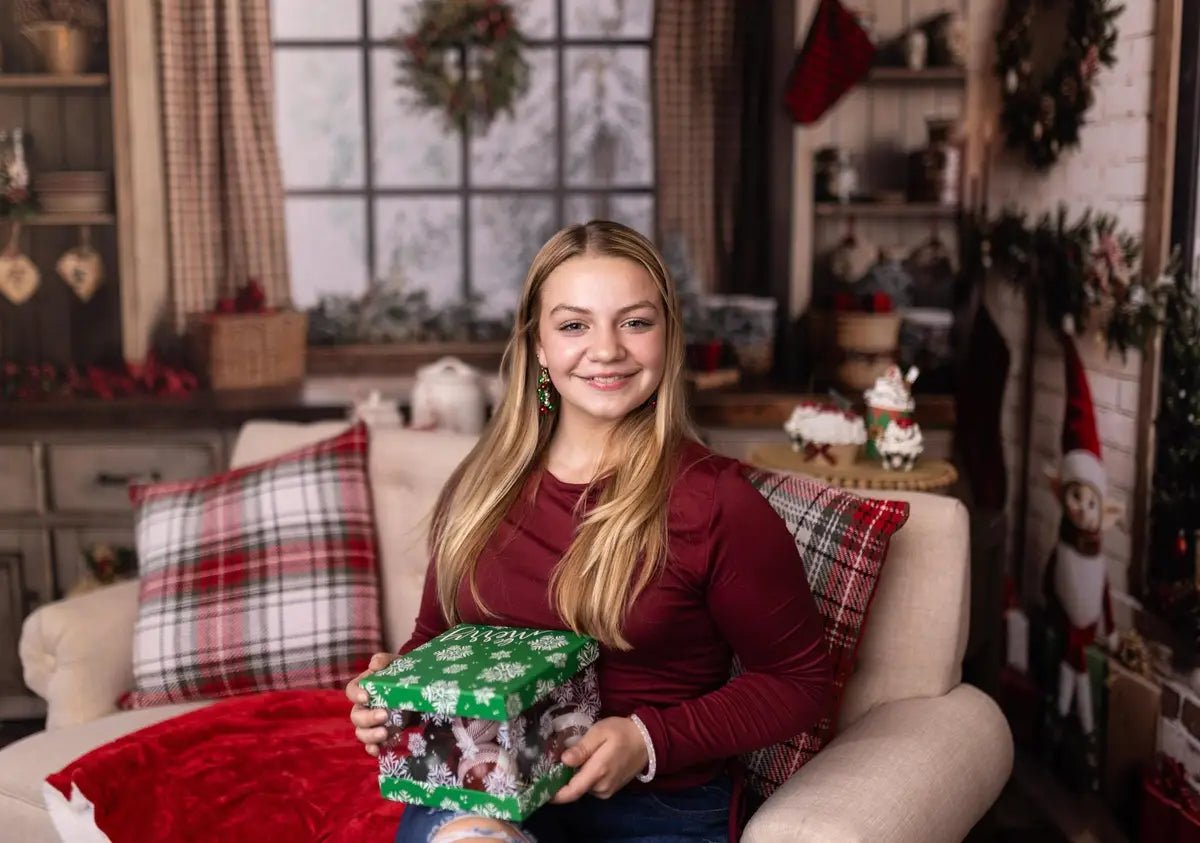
<point x="559" y="190"/>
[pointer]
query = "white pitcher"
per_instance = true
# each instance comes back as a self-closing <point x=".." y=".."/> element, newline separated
<point x="449" y="395"/>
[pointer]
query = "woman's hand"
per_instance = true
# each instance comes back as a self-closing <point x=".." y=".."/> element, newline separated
<point x="368" y="722"/>
<point x="608" y="757"/>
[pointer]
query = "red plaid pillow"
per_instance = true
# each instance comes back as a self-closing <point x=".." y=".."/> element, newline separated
<point x="261" y="578"/>
<point x="843" y="541"/>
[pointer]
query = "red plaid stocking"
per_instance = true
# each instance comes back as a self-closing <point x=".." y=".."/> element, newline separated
<point x="836" y="54"/>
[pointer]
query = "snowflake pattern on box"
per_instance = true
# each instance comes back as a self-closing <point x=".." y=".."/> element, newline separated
<point x="503" y="671"/>
<point x="453" y="654"/>
<point x="479" y="706"/>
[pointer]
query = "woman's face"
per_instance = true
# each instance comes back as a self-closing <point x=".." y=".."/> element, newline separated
<point x="602" y="335"/>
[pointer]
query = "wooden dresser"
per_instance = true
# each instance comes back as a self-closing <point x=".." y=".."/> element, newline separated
<point x="65" y="470"/>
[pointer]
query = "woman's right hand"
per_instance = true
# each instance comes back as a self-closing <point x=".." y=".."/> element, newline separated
<point x="368" y="722"/>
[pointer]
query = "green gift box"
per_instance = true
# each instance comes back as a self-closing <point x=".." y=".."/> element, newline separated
<point x="479" y="716"/>
<point x="878" y="418"/>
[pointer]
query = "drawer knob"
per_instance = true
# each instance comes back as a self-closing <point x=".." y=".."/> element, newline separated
<point x="105" y="478"/>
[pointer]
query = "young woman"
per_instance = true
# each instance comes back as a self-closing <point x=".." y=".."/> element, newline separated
<point x="588" y="504"/>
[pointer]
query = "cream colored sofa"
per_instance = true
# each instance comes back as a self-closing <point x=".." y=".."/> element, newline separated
<point x="919" y="756"/>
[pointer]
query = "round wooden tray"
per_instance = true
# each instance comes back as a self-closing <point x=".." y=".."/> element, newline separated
<point x="926" y="476"/>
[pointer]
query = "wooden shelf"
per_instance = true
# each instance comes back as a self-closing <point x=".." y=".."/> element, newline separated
<point x="70" y="219"/>
<point x="886" y="210"/>
<point x="53" y="80"/>
<point x="917" y="78"/>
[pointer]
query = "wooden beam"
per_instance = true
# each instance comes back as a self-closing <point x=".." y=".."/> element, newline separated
<point x="143" y="238"/>
<point x="1156" y="245"/>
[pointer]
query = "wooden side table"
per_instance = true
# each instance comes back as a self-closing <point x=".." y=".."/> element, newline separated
<point x="926" y="476"/>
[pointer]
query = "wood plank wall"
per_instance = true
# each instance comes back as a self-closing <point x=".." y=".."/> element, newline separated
<point x="65" y="129"/>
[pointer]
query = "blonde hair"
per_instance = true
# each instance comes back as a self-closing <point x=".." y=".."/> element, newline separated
<point x="621" y="542"/>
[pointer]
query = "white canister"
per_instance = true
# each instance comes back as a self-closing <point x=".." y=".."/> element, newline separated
<point x="374" y="411"/>
<point x="449" y="395"/>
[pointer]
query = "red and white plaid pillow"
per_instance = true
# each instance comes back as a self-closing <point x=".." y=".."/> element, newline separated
<point x="261" y="578"/>
<point x="843" y="542"/>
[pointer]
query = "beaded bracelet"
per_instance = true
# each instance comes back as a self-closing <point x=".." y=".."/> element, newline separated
<point x="650" y="764"/>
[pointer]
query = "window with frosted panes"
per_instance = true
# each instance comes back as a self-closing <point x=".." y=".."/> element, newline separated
<point x="377" y="187"/>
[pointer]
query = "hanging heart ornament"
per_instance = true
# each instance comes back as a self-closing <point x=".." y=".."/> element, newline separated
<point x="81" y="267"/>
<point x="19" y="277"/>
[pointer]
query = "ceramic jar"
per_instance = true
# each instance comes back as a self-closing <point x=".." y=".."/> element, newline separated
<point x="450" y="395"/>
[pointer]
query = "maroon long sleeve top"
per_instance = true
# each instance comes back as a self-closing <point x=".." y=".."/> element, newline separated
<point x="733" y="585"/>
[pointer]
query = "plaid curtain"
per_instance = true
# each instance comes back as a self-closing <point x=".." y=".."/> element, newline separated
<point x="224" y="180"/>
<point x="696" y="104"/>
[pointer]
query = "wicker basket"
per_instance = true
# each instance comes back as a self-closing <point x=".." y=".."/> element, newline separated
<point x="249" y="350"/>
<point x="872" y="333"/>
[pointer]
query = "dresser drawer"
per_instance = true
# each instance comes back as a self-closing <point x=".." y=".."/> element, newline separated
<point x="96" y="478"/>
<point x="18" y="483"/>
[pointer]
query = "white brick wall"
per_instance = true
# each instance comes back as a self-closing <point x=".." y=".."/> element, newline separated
<point x="1107" y="173"/>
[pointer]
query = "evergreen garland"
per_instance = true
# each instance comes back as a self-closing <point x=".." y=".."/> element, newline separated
<point x="1042" y="117"/>
<point x="464" y="58"/>
<point x="1085" y="273"/>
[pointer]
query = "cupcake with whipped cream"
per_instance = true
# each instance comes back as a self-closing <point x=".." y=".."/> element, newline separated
<point x="888" y="400"/>
<point x="826" y="434"/>
<point x="900" y="445"/>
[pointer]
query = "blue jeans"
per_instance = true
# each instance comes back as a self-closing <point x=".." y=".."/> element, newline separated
<point x="696" y="815"/>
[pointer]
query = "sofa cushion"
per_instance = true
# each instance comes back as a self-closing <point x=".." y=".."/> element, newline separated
<point x="407" y="469"/>
<point x="843" y="541"/>
<point x="261" y="578"/>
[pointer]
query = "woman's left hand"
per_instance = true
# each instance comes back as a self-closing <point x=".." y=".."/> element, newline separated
<point x="608" y="757"/>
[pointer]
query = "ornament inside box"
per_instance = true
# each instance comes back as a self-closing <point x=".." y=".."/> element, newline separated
<point x="479" y="718"/>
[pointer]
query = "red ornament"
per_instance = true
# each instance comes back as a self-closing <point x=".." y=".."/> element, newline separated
<point x="881" y="303"/>
<point x="843" y="302"/>
<point x="1181" y="545"/>
<point x="251" y="297"/>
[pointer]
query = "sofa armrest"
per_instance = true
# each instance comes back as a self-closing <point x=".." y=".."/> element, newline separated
<point x="77" y="654"/>
<point x="918" y="770"/>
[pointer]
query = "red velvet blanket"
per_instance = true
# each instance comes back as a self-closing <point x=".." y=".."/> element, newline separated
<point x="276" y="766"/>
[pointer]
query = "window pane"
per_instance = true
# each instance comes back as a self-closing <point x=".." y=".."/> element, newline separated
<point x="388" y="16"/>
<point x="418" y="243"/>
<point x="300" y="19"/>
<point x="608" y="122"/>
<point x="411" y="145"/>
<point x="506" y="232"/>
<point x="520" y="151"/>
<point x="326" y="246"/>
<point x="633" y="209"/>
<point x="535" y="17"/>
<point x="318" y="109"/>
<point x="609" y="18"/>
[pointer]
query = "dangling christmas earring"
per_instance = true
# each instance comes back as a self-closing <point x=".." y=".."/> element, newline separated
<point x="654" y="401"/>
<point x="545" y="392"/>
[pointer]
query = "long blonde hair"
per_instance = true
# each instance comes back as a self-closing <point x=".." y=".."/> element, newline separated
<point x="621" y="542"/>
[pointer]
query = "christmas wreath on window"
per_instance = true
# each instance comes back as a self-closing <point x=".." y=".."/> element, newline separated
<point x="465" y="59"/>
<point x="1042" y="114"/>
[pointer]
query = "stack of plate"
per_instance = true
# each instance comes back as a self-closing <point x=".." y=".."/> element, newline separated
<point x="72" y="191"/>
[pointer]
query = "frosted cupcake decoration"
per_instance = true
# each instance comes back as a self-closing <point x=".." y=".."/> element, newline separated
<point x="889" y="400"/>
<point x="900" y="445"/>
<point x="825" y="433"/>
